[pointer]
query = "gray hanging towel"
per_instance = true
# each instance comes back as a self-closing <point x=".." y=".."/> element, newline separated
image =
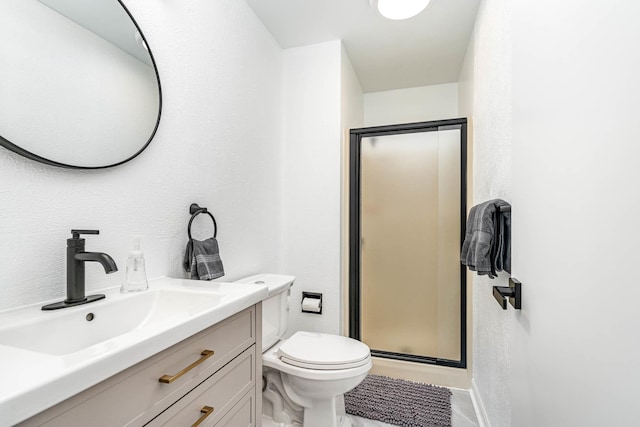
<point x="487" y="244"/>
<point x="202" y="259"/>
<point x="502" y="255"/>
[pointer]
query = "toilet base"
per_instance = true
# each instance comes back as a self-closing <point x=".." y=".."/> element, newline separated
<point x="279" y="410"/>
<point x="320" y="414"/>
<point x="267" y="421"/>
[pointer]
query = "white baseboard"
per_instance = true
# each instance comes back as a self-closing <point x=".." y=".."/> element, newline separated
<point x="481" y="413"/>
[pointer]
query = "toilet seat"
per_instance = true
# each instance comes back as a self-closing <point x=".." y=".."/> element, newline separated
<point x="312" y="350"/>
<point x="271" y="359"/>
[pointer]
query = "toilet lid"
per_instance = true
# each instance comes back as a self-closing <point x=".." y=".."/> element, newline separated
<point x="323" y="351"/>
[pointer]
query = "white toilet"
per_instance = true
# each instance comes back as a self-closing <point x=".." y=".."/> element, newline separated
<point x="306" y="375"/>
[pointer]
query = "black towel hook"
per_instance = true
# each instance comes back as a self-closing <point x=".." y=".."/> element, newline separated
<point x="195" y="210"/>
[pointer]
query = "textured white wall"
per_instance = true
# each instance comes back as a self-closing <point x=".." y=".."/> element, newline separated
<point x="321" y="95"/>
<point x="485" y="96"/>
<point x="352" y="111"/>
<point x="352" y="105"/>
<point x="311" y="181"/>
<point x="567" y="358"/>
<point x="576" y="202"/>
<point x="417" y="104"/>
<point x="218" y="144"/>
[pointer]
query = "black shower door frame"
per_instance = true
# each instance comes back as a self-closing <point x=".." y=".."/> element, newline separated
<point x="355" y="143"/>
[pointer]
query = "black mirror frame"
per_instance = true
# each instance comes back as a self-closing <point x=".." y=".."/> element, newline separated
<point x="21" y="151"/>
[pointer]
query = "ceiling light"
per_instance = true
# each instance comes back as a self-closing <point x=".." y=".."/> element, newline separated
<point x="399" y="9"/>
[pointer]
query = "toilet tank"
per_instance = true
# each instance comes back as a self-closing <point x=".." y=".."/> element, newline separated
<point x="275" y="310"/>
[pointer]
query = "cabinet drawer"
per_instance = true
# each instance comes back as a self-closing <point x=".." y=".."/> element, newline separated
<point x="241" y="415"/>
<point x="136" y="395"/>
<point x="214" y="398"/>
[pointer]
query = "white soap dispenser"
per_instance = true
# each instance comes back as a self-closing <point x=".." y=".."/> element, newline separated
<point x="136" y="276"/>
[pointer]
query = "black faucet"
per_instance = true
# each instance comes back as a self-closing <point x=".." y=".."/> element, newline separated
<point x="76" y="257"/>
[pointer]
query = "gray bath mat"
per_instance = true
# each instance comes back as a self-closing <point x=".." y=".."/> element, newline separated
<point x="400" y="402"/>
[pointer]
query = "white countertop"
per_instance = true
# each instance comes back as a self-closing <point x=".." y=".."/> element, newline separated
<point x="33" y="381"/>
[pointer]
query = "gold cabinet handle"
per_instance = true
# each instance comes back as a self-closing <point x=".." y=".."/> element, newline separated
<point x="205" y="411"/>
<point x="168" y="379"/>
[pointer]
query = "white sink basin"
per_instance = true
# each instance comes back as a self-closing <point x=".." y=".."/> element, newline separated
<point x="50" y="356"/>
<point x="67" y="331"/>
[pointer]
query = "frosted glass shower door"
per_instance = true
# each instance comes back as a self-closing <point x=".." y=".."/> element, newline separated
<point x="410" y="236"/>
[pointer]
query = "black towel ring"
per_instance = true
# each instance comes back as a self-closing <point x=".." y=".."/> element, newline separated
<point x="195" y="210"/>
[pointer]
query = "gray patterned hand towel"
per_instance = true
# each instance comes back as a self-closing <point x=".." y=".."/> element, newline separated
<point x="202" y="259"/>
<point x="487" y="243"/>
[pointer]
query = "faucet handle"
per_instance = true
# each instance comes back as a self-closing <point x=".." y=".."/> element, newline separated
<point x="76" y="233"/>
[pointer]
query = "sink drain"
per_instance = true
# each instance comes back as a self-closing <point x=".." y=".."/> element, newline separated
<point x="90" y="317"/>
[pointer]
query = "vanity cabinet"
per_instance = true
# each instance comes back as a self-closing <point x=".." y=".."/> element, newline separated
<point x="209" y="379"/>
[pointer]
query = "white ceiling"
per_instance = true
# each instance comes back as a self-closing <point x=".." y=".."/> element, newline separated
<point x="425" y="50"/>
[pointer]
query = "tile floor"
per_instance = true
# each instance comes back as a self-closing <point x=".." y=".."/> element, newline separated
<point x="463" y="414"/>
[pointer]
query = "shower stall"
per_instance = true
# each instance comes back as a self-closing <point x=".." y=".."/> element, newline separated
<point x="407" y="210"/>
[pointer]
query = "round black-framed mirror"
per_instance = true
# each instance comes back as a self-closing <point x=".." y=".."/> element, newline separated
<point x="79" y="87"/>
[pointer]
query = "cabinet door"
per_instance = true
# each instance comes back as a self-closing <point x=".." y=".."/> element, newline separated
<point x="208" y="403"/>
